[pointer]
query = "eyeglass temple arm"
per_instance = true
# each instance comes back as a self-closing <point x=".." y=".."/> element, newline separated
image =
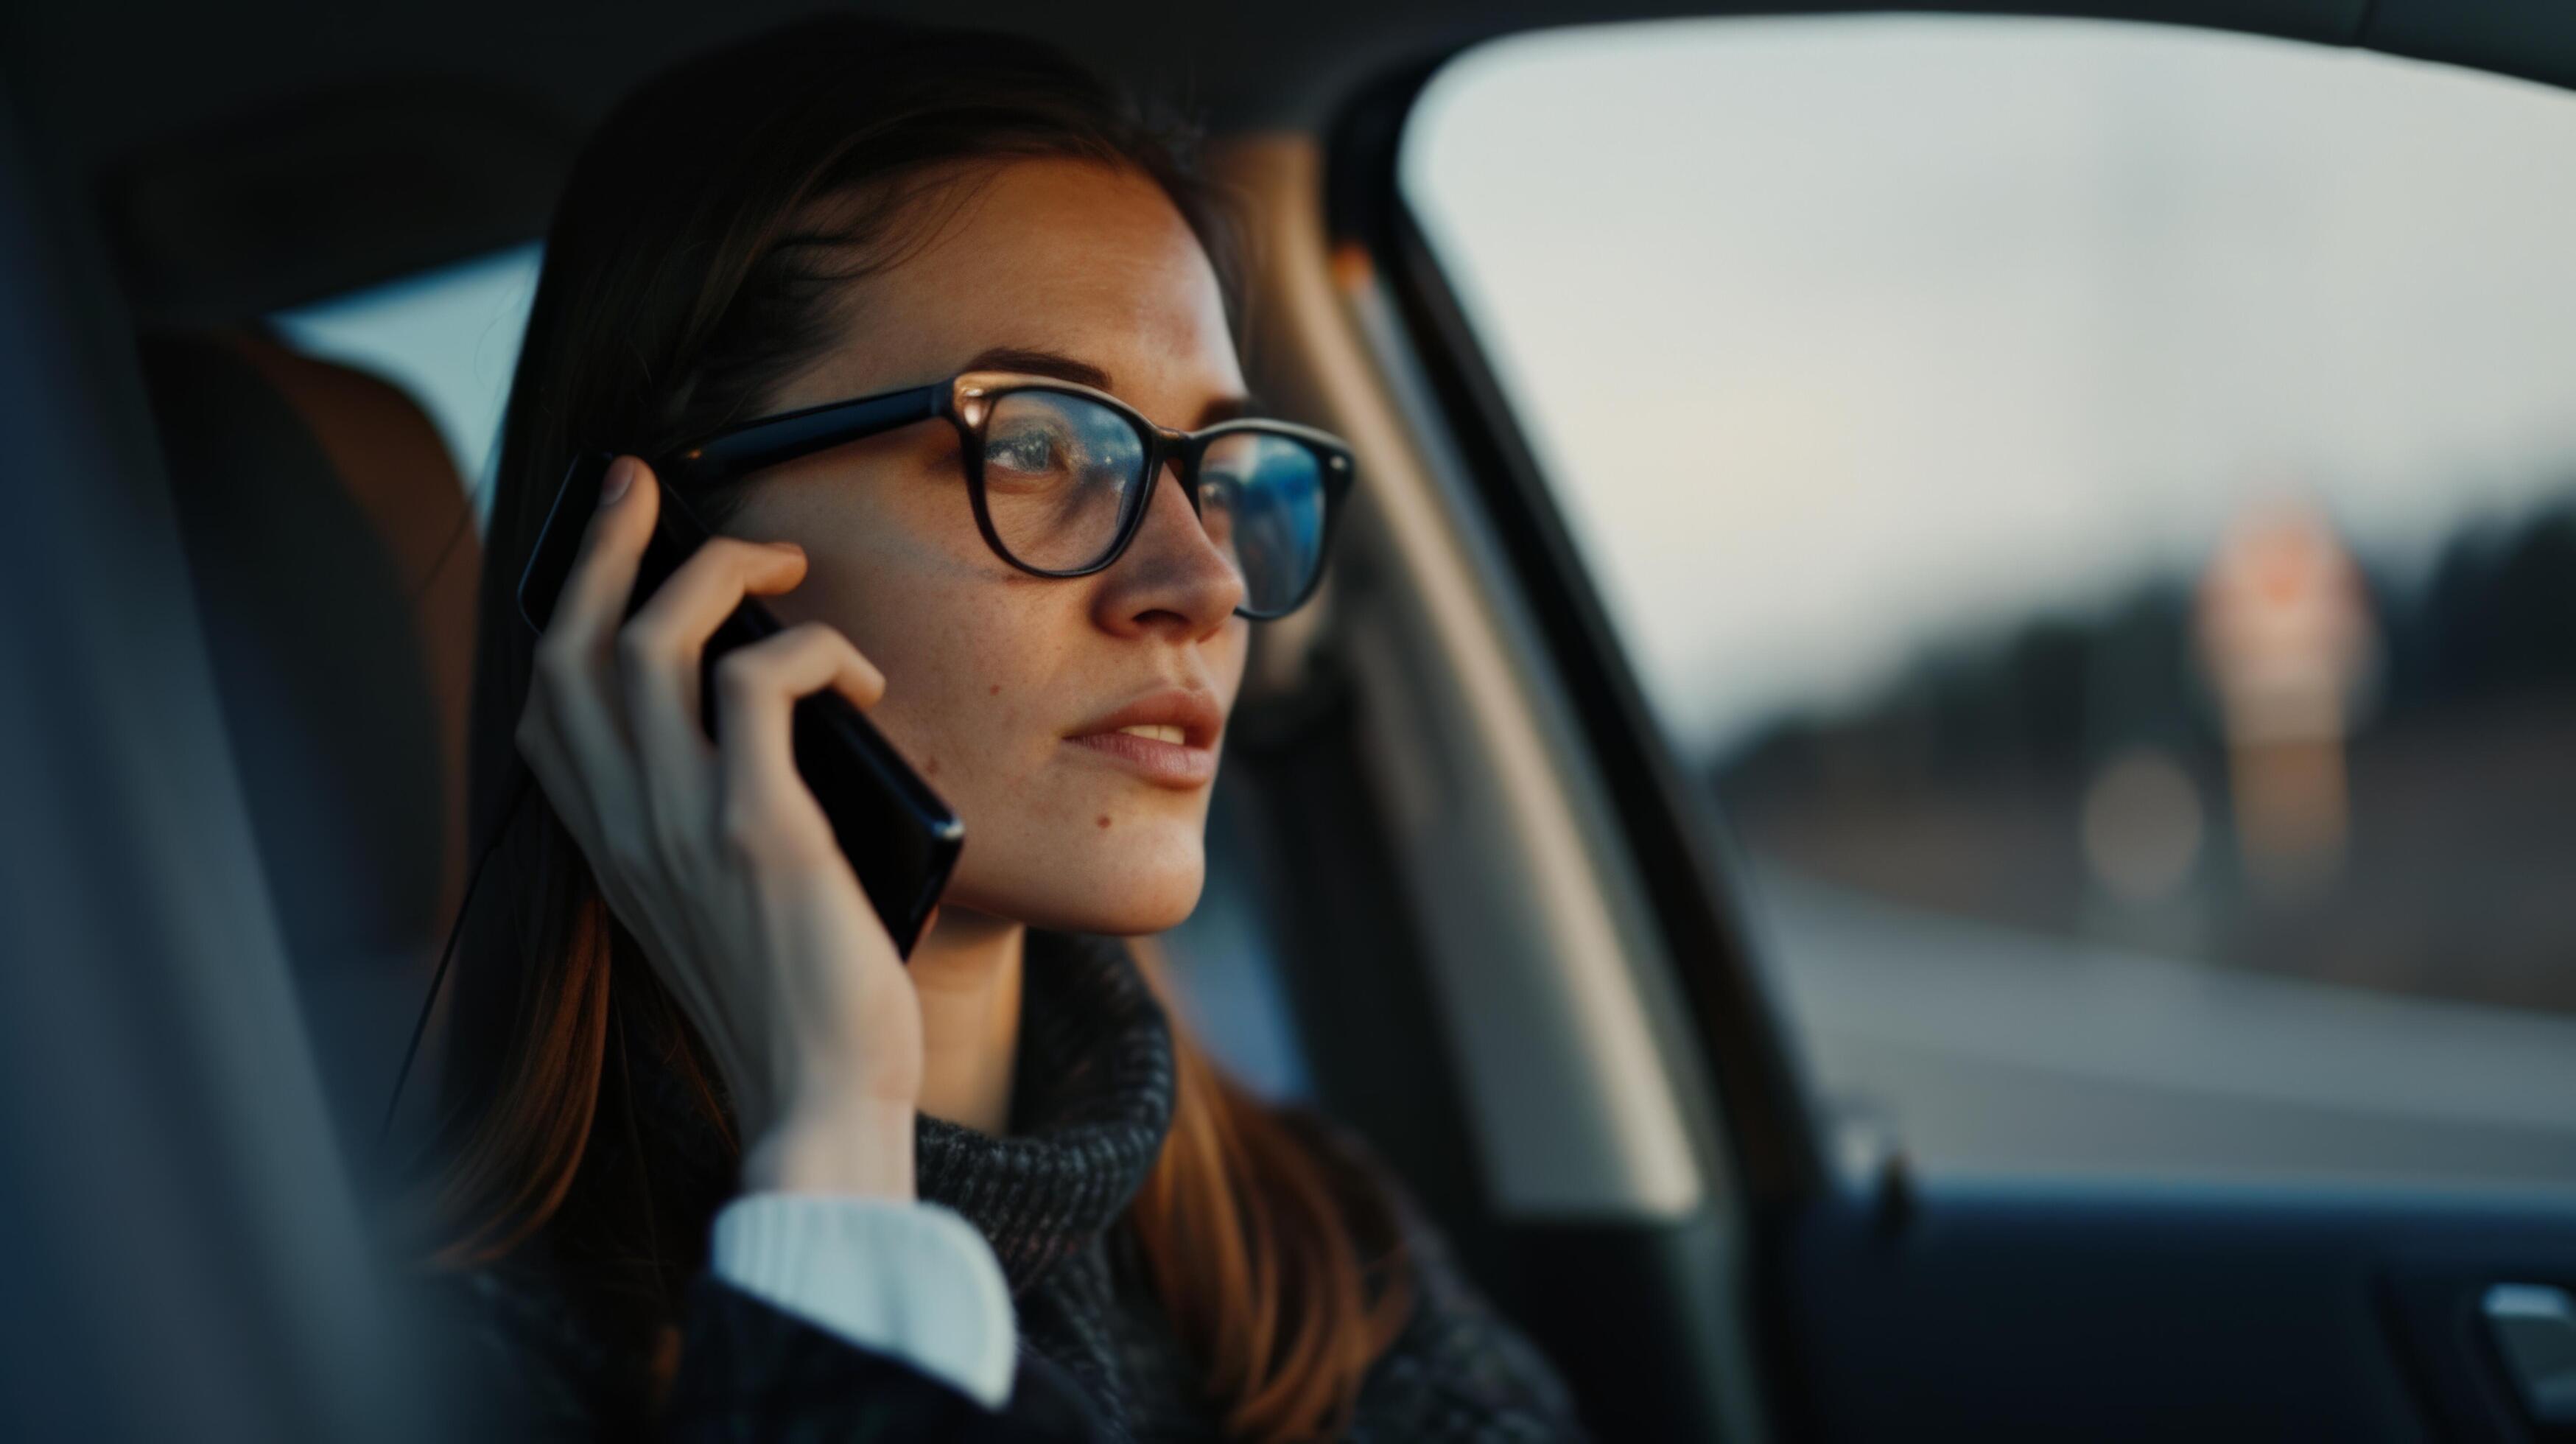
<point x="776" y="439"/>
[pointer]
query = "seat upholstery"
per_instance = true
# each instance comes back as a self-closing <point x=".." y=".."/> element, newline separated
<point x="334" y="557"/>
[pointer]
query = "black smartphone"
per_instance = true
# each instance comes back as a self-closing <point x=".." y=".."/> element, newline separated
<point x="901" y="839"/>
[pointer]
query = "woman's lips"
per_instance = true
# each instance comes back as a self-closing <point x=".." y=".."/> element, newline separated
<point x="1164" y="763"/>
<point x="1168" y="737"/>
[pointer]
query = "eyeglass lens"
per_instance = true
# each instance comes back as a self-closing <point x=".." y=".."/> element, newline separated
<point x="1261" y="499"/>
<point x="1059" y="475"/>
<point x="1062" y="473"/>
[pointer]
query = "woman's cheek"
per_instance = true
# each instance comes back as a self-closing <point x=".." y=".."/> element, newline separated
<point x="966" y="715"/>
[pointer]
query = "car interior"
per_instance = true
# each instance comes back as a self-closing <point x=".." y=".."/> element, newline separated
<point x="1463" y="895"/>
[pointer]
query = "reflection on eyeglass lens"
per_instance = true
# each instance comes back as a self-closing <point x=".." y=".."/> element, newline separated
<point x="1058" y="475"/>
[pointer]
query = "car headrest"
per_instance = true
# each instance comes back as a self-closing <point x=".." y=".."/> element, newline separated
<point x="334" y="555"/>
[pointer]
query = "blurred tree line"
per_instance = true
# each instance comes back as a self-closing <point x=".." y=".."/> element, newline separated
<point x="1959" y="786"/>
<point x="2495" y="617"/>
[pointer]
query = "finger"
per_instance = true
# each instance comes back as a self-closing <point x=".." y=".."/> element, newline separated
<point x="572" y="656"/>
<point x="757" y="691"/>
<point x="612" y="545"/>
<point x="658" y="652"/>
<point x="597" y="784"/>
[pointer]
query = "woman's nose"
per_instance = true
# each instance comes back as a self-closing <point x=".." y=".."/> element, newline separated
<point x="1174" y="575"/>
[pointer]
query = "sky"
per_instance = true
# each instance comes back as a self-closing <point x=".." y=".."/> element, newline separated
<point x="1841" y="337"/>
<point x="1844" y="337"/>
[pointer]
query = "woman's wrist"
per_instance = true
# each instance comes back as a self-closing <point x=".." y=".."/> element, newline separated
<point x="856" y="1146"/>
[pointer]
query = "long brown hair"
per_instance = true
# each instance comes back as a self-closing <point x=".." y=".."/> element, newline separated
<point x="690" y="268"/>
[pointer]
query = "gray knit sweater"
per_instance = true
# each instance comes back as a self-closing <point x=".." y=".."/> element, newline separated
<point x="1092" y="1104"/>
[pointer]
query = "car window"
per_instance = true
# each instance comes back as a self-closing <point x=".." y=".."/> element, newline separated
<point x="449" y="336"/>
<point x="2093" y="506"/>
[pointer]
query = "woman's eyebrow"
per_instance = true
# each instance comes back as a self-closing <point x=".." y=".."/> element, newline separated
<point x="1227" y="408"/>
<point x="1040" y="363"/>
<point x="1037" y="362"/>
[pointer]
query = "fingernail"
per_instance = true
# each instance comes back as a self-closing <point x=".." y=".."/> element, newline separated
<point x="789" y="547"/>
<point x="621" y="475"/>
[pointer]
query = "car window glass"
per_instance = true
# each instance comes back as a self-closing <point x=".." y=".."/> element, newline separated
<point x="450" y="337"/>
<point x="2094" y="508"/>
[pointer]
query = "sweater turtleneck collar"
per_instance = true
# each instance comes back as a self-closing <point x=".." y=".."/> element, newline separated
<point x="1091" y="1101"/>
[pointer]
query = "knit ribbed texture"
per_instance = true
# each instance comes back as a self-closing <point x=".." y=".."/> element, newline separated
<point x="1092" y="1100"/>
<point x="1091" y="1104"/>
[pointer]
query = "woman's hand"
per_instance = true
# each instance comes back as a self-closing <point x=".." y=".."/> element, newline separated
<point x="716" y="856"/>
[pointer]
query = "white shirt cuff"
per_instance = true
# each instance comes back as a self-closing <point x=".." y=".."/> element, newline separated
<point x="909" y="1279"/>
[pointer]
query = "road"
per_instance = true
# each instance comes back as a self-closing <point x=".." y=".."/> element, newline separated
<point x="1988" y="1051"/>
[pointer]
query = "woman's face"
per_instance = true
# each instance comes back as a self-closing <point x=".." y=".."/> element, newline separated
<point x="995" y="678"/>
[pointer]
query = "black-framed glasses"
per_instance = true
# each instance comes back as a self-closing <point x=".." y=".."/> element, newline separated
<point x="1060" y="474"/>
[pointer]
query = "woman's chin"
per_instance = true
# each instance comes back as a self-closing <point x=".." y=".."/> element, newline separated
<point x="1122" y="889"/>
<point x="1128" y="917"/>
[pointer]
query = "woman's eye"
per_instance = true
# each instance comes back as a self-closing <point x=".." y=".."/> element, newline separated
<point x="1027" y="451"/>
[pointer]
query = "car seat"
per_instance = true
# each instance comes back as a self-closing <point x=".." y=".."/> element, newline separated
<point x="334" y="556"/>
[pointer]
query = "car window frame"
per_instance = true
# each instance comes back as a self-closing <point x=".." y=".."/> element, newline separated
<point x="1681" y="856"/>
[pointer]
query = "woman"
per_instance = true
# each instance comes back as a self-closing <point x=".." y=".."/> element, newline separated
<point x="717" y="1160"/>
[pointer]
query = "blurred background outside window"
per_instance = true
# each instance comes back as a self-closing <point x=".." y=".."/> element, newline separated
<point x="2095" y="508"/>
<point x="449" y="337"/>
